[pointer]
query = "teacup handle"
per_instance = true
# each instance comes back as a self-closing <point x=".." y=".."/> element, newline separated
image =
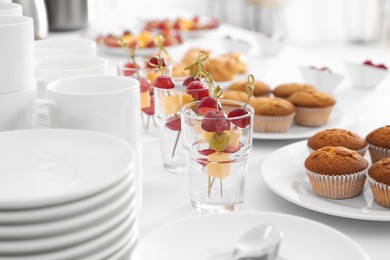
<point x="41" y="109"/>
<point x="41" y="87"/>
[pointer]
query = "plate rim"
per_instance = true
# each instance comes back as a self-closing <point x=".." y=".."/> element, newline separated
<point x="62" y="198"/>
<point x="335" y="231"/>
<point x="322" y="209"/>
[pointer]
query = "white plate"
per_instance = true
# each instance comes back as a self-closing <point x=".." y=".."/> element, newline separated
<point x="205" y="237"/>
<point x="118" y="211"/>
<point x="67" y="210"/>
<point x="96" y="248"/>
<point x="64" y="228"/>
<point x="342" y="117"/>
<point x="140" y="52"/>
<point x="289" y="180"/>
<point x="124" y="252"/>
<point x="52" y="166"/>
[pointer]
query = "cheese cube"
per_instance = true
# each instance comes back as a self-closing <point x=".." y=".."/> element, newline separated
<point x="219" y="170"/>
<point x="145" y="99"/>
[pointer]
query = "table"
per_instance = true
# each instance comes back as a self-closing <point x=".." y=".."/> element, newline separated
<point x="166" y="196"/>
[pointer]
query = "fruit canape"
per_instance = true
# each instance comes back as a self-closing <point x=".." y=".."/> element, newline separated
<point x="146" y="72"/>
<point x="144" y="40"/>
<point x="182" y="24"/>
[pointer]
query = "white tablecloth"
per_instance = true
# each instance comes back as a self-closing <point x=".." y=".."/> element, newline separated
<point x="166" y="196"/>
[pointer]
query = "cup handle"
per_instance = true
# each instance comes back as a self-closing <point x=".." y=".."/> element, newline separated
<point x="41" y="87"/>
<point x="41" y="108"/>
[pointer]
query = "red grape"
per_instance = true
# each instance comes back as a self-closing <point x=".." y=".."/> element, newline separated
<point x="208" y="104"/>
<point x="240" y="122"/>
<point x="198" y="90"/>
<point x="164" y="82"/>
<point x="215" y="122"/>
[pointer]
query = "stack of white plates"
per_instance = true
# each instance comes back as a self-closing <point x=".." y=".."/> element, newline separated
<point x="66" y="194"/>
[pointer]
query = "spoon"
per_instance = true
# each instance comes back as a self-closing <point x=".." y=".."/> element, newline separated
<point x="259" y="243"/>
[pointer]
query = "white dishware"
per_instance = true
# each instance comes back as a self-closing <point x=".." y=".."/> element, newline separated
<point x="99" y="247"/>
<point x="124" y="252"/>
<point x="107" y="104"/>
<point x="68" y="210"/>
<point x="63" y="47"/>
<point x="270" y="45"/>
<point x="365" y="76"/>
<point x="59" y="67"/>
<point x="10" y="9"/>
<point x="206" y="237"/>
<point x="48" y="167"/>
<point x="5" y="1"/>
<point x="62" y="240"/>
<point x="17" y="53"/>
<point x="289" y="180"/>
<point x="323" y="80"/>
<point x="16" y="109"/>
<point x="35" y="234"/>
<point x="342" y="117"/>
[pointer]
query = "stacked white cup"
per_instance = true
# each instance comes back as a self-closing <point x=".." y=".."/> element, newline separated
<point x="17" y="81"/>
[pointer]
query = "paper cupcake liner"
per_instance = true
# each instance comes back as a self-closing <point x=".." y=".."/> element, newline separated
<point x="362" y="152"/>
<point x="380" y="191"/>
<point x="272" y="124"/>
<point x="312" y="116"/>
<point x="337" y="186"/>
<point x="378" y="153"/>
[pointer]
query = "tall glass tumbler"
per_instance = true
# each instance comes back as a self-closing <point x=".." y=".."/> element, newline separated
<point x="146" y="77"/>
<point x="168" y="104"/>
<point x="217" y="161"/>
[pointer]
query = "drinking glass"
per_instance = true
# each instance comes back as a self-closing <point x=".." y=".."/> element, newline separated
<point x="148" y="122"/>
<point x="217" y="176"/>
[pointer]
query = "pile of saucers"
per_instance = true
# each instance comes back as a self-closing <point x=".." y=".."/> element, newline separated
<point x="66" y="194"/>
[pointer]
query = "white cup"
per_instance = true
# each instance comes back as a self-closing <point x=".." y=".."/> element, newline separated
<point x="63" y="47"/>
<point x="16" y="53"/>
<point x="52" y="68"/>
<point x="16" y="109"/>
<point x="10" y="9"/>
<point x="5" y="1"/>
<point x="107" y="104"/>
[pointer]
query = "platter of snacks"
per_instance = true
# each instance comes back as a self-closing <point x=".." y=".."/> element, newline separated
<point x="145" y="40"/>
<point x="292" y="110"/>
<point x="191" y="27"/>
<point x="296" y="181"/>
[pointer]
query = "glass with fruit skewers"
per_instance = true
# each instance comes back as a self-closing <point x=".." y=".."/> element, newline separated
<point x="146" y="72"/>
<point x="169" y="99"/>
<point x="217" y="140"/>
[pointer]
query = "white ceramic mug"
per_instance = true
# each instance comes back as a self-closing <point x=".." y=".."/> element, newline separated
<point x="10" y="9"/>
<point x="17" y="53"/>
<point x="16" y="109"/>
<point x="63" y="47"/>
<point x="52" y="68"/>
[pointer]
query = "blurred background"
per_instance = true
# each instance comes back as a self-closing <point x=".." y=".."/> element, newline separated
<point x="301" y="21"/>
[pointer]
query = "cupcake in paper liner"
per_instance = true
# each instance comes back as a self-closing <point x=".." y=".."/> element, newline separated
<point x="378" y="176"/>
<point x="272" y="115"/>
<point x="312" y="108"/>
<point x="337" y="137"/>
<point x="272" y="124"/>
<point x="379" y="143"/>
<point x="336" y="172"/>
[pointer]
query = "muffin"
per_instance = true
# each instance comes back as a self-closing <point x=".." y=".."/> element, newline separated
<point x="379" y="143"/>
<point x="313" y="108"/>
<point x="379" y="180"/>
<point x="336" y="172"/>
<point x="179" y="71"/>
<point x="260" y="88"/>
<point x="337" y="137"/>
<point x="235" y="95"/>
<point x="286" y="90"/>
<point x="272" y="115"/>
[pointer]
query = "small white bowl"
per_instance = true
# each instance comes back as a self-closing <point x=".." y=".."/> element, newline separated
<point x="270" y="45"/>
<point x="365" y="76"/>
<point x="236" y="45"/>
<point x="323" y="80"/>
